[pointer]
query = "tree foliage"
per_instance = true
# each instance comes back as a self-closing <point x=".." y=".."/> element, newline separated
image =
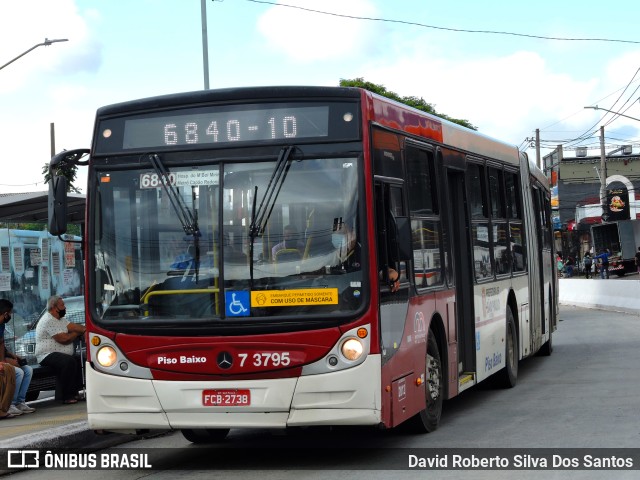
<point x="38" y="227"/>
<point x="415" y="102"/>
<point x="65" y="169"/>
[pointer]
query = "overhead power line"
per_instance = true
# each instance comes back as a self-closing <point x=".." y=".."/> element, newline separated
<point x="435" y="27"/>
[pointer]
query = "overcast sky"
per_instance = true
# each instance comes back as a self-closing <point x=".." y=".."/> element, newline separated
<point x="507" y="84"/>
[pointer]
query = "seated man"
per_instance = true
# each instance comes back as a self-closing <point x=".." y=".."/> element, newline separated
<point x="54" y="348"/>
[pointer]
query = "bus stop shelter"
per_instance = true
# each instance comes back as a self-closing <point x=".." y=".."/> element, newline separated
<point x="33" y="207"/>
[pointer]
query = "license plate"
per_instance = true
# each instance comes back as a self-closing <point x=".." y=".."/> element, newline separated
<point x="226" y="398"/>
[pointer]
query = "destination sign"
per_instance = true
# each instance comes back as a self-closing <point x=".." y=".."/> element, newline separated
<point x="212" y="127"/>
<point x="224" y="126"/>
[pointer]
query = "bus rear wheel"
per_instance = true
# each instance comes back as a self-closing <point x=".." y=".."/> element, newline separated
<point x="428" y="419"/>
<point x="208" y="435"/>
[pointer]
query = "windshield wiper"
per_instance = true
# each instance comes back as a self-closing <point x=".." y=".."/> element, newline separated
<point x="187" y="218"/>
<point x="260" y="217"/>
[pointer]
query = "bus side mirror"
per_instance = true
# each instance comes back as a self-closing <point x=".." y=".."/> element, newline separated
<point x="57" y="205"/>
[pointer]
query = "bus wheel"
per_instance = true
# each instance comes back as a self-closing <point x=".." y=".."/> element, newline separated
<point x="428" y="419"/>
<point x="209" y="435"/>
<point x="509" y="375"/>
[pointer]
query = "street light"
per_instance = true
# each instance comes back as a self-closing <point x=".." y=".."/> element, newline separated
<point x="617" y="113"/>
<point x="205" y="43"/>
<point x="46" y="43"/>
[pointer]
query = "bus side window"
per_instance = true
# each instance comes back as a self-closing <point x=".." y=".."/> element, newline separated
<point x="422" y="194"/>
<point x="481" y="235"/>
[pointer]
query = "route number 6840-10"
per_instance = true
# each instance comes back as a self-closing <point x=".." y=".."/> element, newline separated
<point x="264" y="359"/>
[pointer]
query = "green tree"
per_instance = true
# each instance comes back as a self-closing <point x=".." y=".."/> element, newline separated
<point x="415" y="102"/>
<point x="38" y="227"/>
<point x="65" y="169"/>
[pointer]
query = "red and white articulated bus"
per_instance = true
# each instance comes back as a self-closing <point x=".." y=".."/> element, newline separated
<point x="301" y="256"/>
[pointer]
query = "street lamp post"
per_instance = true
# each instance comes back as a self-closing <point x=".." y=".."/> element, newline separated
<point x="617" y="113"/>
<point x="205" y="43"/>
<point x="46" y="43"/>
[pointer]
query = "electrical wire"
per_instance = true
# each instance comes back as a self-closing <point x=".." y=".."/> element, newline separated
<point x="620" y="96"/>
<point x="435" y="27"/>
<point x="21" y="185"/>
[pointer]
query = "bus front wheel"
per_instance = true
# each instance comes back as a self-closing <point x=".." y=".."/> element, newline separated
<point x="428" y="419"/>
<point x="208" y="435"/>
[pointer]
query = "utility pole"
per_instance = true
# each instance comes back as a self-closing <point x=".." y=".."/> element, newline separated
<point x="560" y="155"/>
<point x="538" y="159"/>
<point x="205" y="43"/>
<point x="53" y="138"/>
<point x="603" y="177"/>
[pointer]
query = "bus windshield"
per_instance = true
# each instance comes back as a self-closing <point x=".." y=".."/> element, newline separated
<point x="226" y="242"/>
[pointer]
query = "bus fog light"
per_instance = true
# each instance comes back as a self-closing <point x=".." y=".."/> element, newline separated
<point x="106" y="356"/>
<point x="352" y="349"/>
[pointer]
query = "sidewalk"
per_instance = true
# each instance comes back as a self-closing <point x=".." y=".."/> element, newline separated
<point x="53" y="425"/>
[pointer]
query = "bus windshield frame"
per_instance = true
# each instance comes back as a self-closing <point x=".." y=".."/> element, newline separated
<point x="171" y="242"/>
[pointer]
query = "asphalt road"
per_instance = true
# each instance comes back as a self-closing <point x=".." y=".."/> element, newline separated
<point x="584" y="396"/>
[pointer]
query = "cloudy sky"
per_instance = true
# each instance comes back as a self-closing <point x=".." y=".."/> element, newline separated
<point x="508" y="83"/>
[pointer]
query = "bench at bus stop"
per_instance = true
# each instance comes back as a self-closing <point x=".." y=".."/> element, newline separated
<point x="44" y="379"/>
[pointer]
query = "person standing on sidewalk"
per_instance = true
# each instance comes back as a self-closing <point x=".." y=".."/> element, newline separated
<point x="603" y="264"/>
<point x="55" y="348"/>
<point x="24" y="372"/>
<point x="587" y="262"/>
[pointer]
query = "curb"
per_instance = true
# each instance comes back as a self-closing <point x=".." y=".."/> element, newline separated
<point x="618" y="296"/>
<point x="73" y="435"/>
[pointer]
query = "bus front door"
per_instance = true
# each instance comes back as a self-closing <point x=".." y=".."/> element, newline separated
<point x="463" y="273"/>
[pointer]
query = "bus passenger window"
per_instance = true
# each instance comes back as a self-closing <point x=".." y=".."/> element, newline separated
<point x="426" y="253"/>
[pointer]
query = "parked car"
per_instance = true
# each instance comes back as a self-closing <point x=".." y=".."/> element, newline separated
<point x="20" y="338"/>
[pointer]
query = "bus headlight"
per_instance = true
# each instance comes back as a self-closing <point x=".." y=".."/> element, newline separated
<point x="106" y="356"/>
<point x="352" y="349"/>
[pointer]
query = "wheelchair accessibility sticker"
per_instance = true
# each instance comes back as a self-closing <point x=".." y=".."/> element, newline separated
<point x="237" y="304"/>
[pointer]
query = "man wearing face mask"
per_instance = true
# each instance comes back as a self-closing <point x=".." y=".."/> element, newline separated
<point x="344" y="241"/>
<point x="54" y="348"/>
<point x="23" y="373"/>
